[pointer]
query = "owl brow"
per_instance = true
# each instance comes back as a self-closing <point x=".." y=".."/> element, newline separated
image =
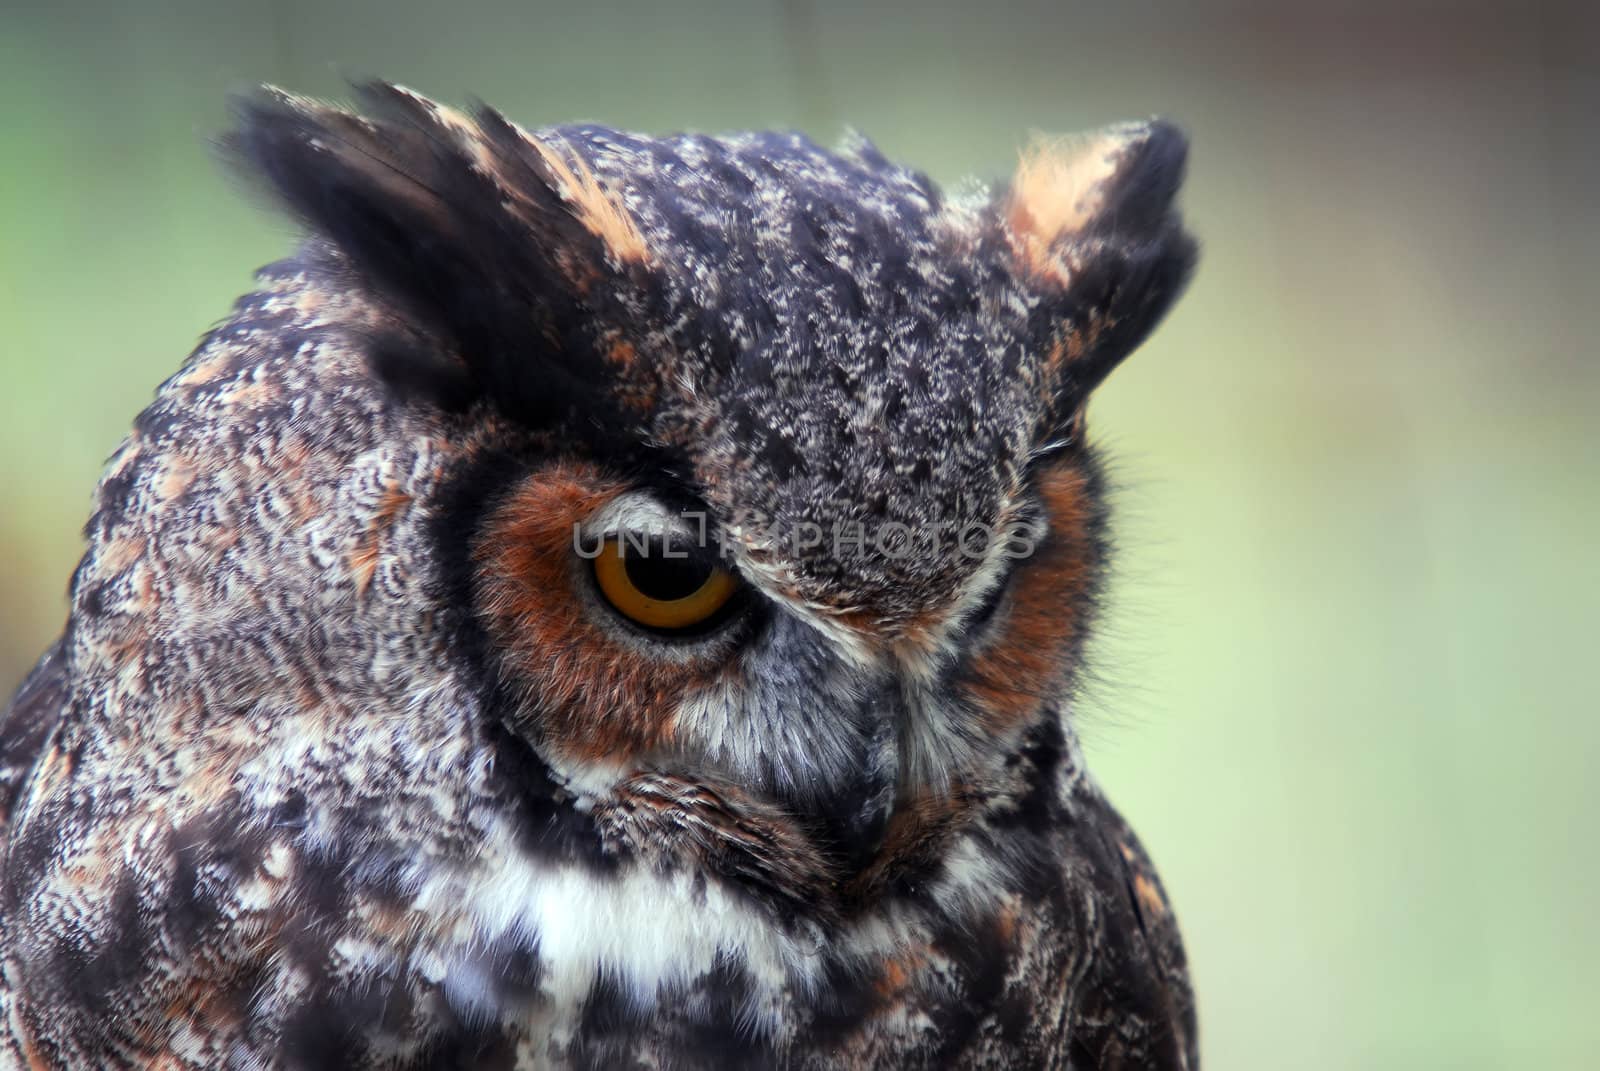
<point x="650" y="527"/>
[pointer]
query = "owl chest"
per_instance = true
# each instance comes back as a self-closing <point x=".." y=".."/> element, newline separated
<point x="552" y="940"/>
<point x="633" y="963"/>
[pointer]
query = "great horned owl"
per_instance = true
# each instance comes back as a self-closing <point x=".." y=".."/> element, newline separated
<point x="608" y="601"/>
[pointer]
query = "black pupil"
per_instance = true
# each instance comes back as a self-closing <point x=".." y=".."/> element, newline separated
<point x="658" y="576"/>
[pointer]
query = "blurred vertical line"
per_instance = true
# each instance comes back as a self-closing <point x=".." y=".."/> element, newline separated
<point x="804" y="44"/>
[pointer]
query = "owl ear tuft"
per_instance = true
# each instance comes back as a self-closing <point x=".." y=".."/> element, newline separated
<point x="1091" y="224"/>
<point x="488" y="238"/>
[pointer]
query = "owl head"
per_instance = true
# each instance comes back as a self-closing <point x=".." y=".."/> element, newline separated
<point x="766" y="464"/>
<point x="580" y="522"/>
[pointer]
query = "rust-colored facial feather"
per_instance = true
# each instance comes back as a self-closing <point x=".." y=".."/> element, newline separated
<point x="1026" y="661"/>
<point x="918" y="832"/>
<point x="597" y="699"/>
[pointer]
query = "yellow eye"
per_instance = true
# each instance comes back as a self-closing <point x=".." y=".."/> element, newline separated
<point x="661" y="590"/>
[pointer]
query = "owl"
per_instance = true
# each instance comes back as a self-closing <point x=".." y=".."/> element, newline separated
<point x="606" y="601"/>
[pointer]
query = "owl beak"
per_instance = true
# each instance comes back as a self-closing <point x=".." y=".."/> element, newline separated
<point x="855" y="816"/>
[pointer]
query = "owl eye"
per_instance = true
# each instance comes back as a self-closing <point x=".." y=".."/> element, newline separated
<point x="661" y="589"/>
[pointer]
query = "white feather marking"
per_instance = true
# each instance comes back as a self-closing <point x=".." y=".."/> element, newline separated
<point x="654" y="934"/>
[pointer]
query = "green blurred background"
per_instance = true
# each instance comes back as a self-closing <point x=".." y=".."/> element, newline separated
<point x="1346" y="690"/>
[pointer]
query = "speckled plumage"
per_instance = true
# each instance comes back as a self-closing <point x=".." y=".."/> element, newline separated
<point x="341" y="763"/>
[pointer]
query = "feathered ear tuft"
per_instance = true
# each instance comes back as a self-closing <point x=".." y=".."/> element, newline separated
<point x="491" y="240"/>
<point x="1091" y="222"/>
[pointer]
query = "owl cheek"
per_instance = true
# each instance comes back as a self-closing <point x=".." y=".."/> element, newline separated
<point x="581" y="694"/>
<point x="1029" y="662"/>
